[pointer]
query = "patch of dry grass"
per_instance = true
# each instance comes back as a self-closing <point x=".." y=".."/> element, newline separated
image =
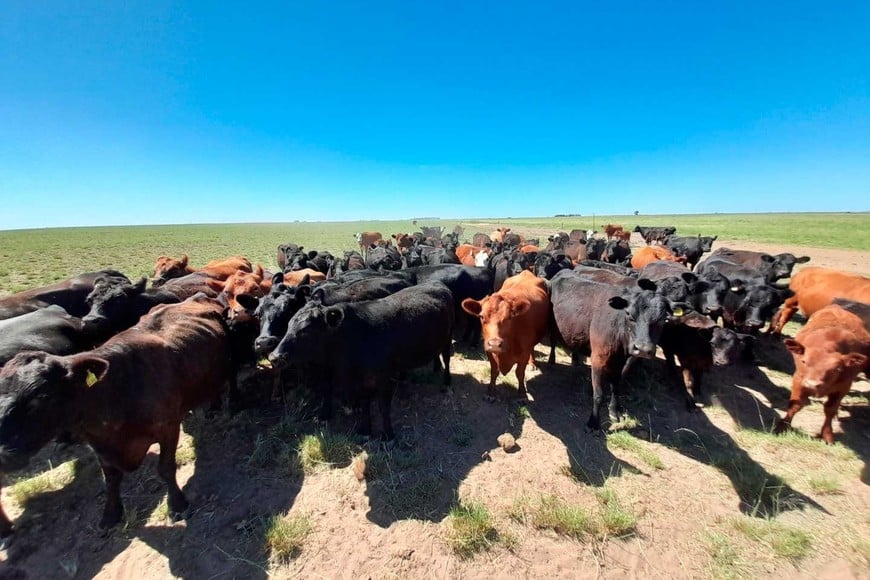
<point x="285" y="536"/>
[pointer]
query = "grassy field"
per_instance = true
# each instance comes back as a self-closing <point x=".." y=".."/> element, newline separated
<point x="31" y="258"/>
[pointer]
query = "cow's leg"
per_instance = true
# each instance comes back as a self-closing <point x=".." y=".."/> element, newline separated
<point x="114" y="510"/>
<point x="522" y="394"/>
<point x="598" y="382"/>
<point x="445" y="358"/>
<point x="831" y="406"/>
<point x="166" y="468"/>
<point x="532" y="362"/>
<point x="551" y="360"/>
<point x="615" y="409"/>
<point x="5" y="524"/>
<point x="385" y="400"/>
<point x="366" y="410"/>
<point x="691" y="388"/>
<point x="493" y="375"/>
<point x="796" y="402"/>
<point x="789" y="307"/>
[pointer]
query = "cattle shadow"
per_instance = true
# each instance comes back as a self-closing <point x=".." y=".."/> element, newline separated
<point x="242" y="476"/>
<point x="440" y="438"/>
<point x="654" y="395"/>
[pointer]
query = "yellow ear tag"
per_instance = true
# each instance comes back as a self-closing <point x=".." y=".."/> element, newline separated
<point x="678" y="311"/>
<point x="91" y="379"/>
<point x="264" y="363"/>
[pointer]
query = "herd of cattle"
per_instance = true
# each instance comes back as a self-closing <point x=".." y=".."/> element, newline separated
<point x="118" y="365"/>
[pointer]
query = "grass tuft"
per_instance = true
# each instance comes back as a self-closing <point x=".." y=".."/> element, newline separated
<point x="285" y="536"/>
<point x="615" y="519"/>
<point x="825" y="484"/>
<point x="470" y="529"/>
<point x="51" y="480"/>
<point x="785" y="541"/>
<point x="626" y="441"/>
<point x="552" y="513"/>
<point x="326" y="449"/>
<point x="725" y="561"/>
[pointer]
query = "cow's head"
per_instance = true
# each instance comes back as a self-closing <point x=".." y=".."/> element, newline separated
<point x="166" y="268"/>
<point x="274" y="311"/>
<point x="37" y="393"/>
<point x="310" y="335"/>
<point x="112" y="305"/>
<point x="646" y="313"/>
<point x="818" y="362"/>
<point x="499" y="315"/>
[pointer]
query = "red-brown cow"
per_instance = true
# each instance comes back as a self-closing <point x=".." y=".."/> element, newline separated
<point x="120" y="397"/>
<point x="828" y="352"/>
<point x="366" y="239"/>
<point x="514" y="320"/>
<point x="480" y="240"/>
<point x="648" y="254"/>
<point x="499" y="234"/>
<point x="814" y="288"/>
<point x="253" y="283"/>
<point x="403" y="241"/>
<point x="166" y="268"/>
<point x="621" y="234"/>
<point x="610" y="229"/>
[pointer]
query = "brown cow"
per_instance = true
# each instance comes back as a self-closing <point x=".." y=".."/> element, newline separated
<point x="828" y="352"/>
<point x="403" y="241"/>
<point x="621" y="234"/>
<point x="480" y="240"/>
<point x="166" y="268"/>
<point x="499" y="234"/>
<point x="814" y="288"/>
<point x="648" y="254"/>
<point x="514" y="320"/>
<point x="366" y="239"/>
<point x="295" y="277"/>
<point x="120" y="397"/>
<point x="610" y="229"/>
<point x="253" y="283"/>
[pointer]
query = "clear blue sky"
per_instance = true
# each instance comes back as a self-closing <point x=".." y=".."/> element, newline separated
<point x="175" y="112"/>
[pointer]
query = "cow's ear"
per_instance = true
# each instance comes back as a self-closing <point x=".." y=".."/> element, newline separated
<point x="520" y="307"/>
<point x="277" y="278"/>
<point x="716" y="237"/>
<point x="793" y="346"/>
<point x="472" y="306"/>
<point x="306" y="290"/>
<point x="87" y="371"/>
<point x="312" y="254"/>
<point x="305" y="281"/>
<point x="334" y="316"/>
<point x="646" y="284"/>
<point x="855" y="360"/>
<point x="183" y="260"/>
<point x="689" y="277"/>
<point x="618" y="302"/>
<point x="248" y="302"/>
<point x="141" y="284"/>
<point x="767" y="258"/>
<point x="259" y="271"/>
<point x="214" y="284"/>
<point x="802" y="260"/>
<point x="746" y="339"/>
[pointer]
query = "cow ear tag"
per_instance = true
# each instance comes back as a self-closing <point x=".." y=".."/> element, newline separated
<point x="678" y="311"/>
<point x="91" y="379"/>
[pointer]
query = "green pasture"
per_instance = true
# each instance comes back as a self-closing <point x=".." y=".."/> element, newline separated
<point x="30" y="258"/>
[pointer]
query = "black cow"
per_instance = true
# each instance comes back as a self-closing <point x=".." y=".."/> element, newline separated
<point x="118" y="305"/>
<point x="367" y="343"/>
<point x="749" y="306"/>
<point x="285" y="253"/>
<point x="652" y="234"/>
<point x="70" y="294"/>
<point x="352" y="260"/>
<point x="50" y="329"/>
<point x="383" y="258"/>
<point x="691" y="248"/>
<point x="707" y="243"/>
<point x="557" y="241"/>
<point x="610" y="323"/>
<point x="550" y="263"/>
<point x="446" y="254"/>
<point x="120" y="398"/>
<point x="595" y="248"/>
<point x="706" y="292"/>
<point x="699" y="344"/>
<point x="616" y="252"/>
<point x="745" y="264"/>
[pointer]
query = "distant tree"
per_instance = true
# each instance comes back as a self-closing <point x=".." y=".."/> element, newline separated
<point x="636" y="212"/>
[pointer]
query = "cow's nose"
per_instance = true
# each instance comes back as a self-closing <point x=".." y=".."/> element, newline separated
<point x="265" y="344"/>
<point x="643" y="350"/>
<point x="494" y="344"/>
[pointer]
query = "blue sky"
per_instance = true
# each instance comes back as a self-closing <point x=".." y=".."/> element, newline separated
<point x="179" y="112"/>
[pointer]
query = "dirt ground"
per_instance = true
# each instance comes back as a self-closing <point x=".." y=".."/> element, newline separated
<point x="698" y="483"/>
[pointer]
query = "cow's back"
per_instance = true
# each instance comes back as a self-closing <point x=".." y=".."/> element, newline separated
<point x="50" y="329"/>
<point x="816" y="288"/>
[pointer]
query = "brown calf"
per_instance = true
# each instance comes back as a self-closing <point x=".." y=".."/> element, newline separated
<point x="828" y="352"/>
<point x="814" y="288"/>
<point x="166" y="268"/>
<point x="366" y="239"/>
<point x="647" y="254"/>
<point x="514" y="320"/>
